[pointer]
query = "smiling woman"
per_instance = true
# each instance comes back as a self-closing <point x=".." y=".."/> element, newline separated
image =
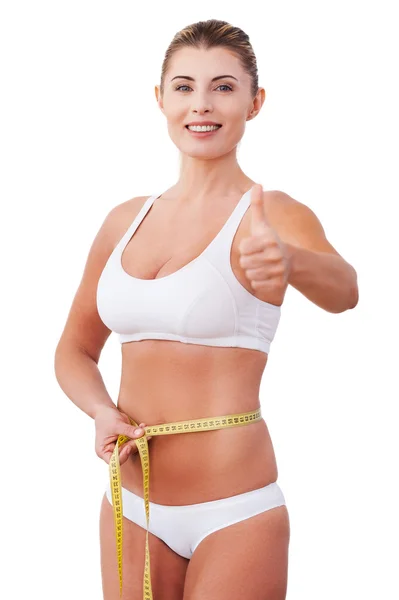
<point x="192" y="280"/>
<point x="209" y="76"/>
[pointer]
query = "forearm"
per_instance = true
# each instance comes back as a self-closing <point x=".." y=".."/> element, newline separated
<point x="80" y="379"/>
<point x="324" y="278"/>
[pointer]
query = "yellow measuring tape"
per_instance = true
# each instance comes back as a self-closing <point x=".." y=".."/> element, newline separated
<point x="191" y="426"/>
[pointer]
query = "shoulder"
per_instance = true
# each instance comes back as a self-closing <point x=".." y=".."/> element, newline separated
<point x="126" y="209"/>
<point x="119" y="218"/>
<point x="282" y="204"/>
<point x="295" y="222"/>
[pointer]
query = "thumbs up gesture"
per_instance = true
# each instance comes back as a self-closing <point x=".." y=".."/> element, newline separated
<point x="263" y="255"/>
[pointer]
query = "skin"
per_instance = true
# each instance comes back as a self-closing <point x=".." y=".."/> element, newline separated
<point x="194" y="381"/>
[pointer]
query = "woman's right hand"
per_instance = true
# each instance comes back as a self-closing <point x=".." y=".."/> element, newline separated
<point x="110" y="423"/>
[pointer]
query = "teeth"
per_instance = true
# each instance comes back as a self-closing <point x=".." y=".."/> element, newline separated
<point x="203" y="127"/>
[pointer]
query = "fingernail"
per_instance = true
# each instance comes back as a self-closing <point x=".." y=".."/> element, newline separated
<point x="138" y="431"/>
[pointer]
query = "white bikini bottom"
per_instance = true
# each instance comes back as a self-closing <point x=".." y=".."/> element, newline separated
<point x="182" y="528"/>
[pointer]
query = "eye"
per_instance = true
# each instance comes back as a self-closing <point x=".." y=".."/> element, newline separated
<point x="221" y="85"/>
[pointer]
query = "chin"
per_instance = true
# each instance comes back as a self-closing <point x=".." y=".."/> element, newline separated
<point x="204" y="155"/>
<point x="199" y="149"/>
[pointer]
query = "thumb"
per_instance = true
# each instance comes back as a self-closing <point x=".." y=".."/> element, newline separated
<point x="130" y="428"/>
<point x="131" y="431"/>
<point x="258" y="217"/>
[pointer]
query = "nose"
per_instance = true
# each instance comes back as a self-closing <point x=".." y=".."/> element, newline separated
<point x="201" y="111"/>
<point x="201" y="104"/>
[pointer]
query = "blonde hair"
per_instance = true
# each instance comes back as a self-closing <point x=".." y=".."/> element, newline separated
<point x="212" y="34"/>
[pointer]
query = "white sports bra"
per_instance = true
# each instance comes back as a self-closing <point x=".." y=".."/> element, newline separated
<point x="201" y="303"/>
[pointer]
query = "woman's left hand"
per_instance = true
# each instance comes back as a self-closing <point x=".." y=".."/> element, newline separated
<point x="264" y="257"/>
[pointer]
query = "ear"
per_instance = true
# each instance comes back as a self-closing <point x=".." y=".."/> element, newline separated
<point x="257" y="103"/>
<point x="159" y="100"/>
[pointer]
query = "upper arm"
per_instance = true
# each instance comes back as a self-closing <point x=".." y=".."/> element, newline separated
<point x="84" y="329"/>
<point x="300" y="226"/>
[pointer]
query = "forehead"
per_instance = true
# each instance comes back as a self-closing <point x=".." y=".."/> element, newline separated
<point x="205" y="63"/>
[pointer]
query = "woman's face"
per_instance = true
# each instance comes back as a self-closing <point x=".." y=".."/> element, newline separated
<point x="226" y="101"/>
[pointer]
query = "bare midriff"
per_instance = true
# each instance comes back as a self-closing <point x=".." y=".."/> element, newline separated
<point x="164" y="381"/>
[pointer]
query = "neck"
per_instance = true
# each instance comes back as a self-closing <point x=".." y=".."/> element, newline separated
<point x="202" y="180"/>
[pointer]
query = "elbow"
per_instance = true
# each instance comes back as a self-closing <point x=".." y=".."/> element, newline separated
<point x="354" y="290"/>
<point x="348" y="301"/>
<point x="354" y="297"/>
<point x="60" y="358"/>
<point x="57" y="362"/>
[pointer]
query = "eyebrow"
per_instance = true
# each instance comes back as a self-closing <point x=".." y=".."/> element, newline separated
<point x="214" y="78"/>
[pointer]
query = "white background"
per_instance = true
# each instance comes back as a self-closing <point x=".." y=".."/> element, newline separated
<point x="80" y="133"/>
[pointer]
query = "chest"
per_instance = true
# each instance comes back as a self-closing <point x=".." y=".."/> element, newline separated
<point x="162" y="246"/>
<point x="181" y="280"/>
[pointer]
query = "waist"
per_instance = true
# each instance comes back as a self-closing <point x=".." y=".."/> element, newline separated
<point x="212" y="464"/>
<point x="158" y="398"/>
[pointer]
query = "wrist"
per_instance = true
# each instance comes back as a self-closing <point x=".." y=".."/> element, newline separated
<point x="102" y="407"/>
<point x="290" y="252"/>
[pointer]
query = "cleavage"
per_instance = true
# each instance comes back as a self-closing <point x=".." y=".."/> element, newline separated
<point x="159" y="248"/>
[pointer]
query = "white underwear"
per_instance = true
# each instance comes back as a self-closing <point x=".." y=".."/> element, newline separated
<point x="182" y="528"/>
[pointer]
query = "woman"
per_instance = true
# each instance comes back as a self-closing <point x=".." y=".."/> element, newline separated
<point x="197" y="275"/>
